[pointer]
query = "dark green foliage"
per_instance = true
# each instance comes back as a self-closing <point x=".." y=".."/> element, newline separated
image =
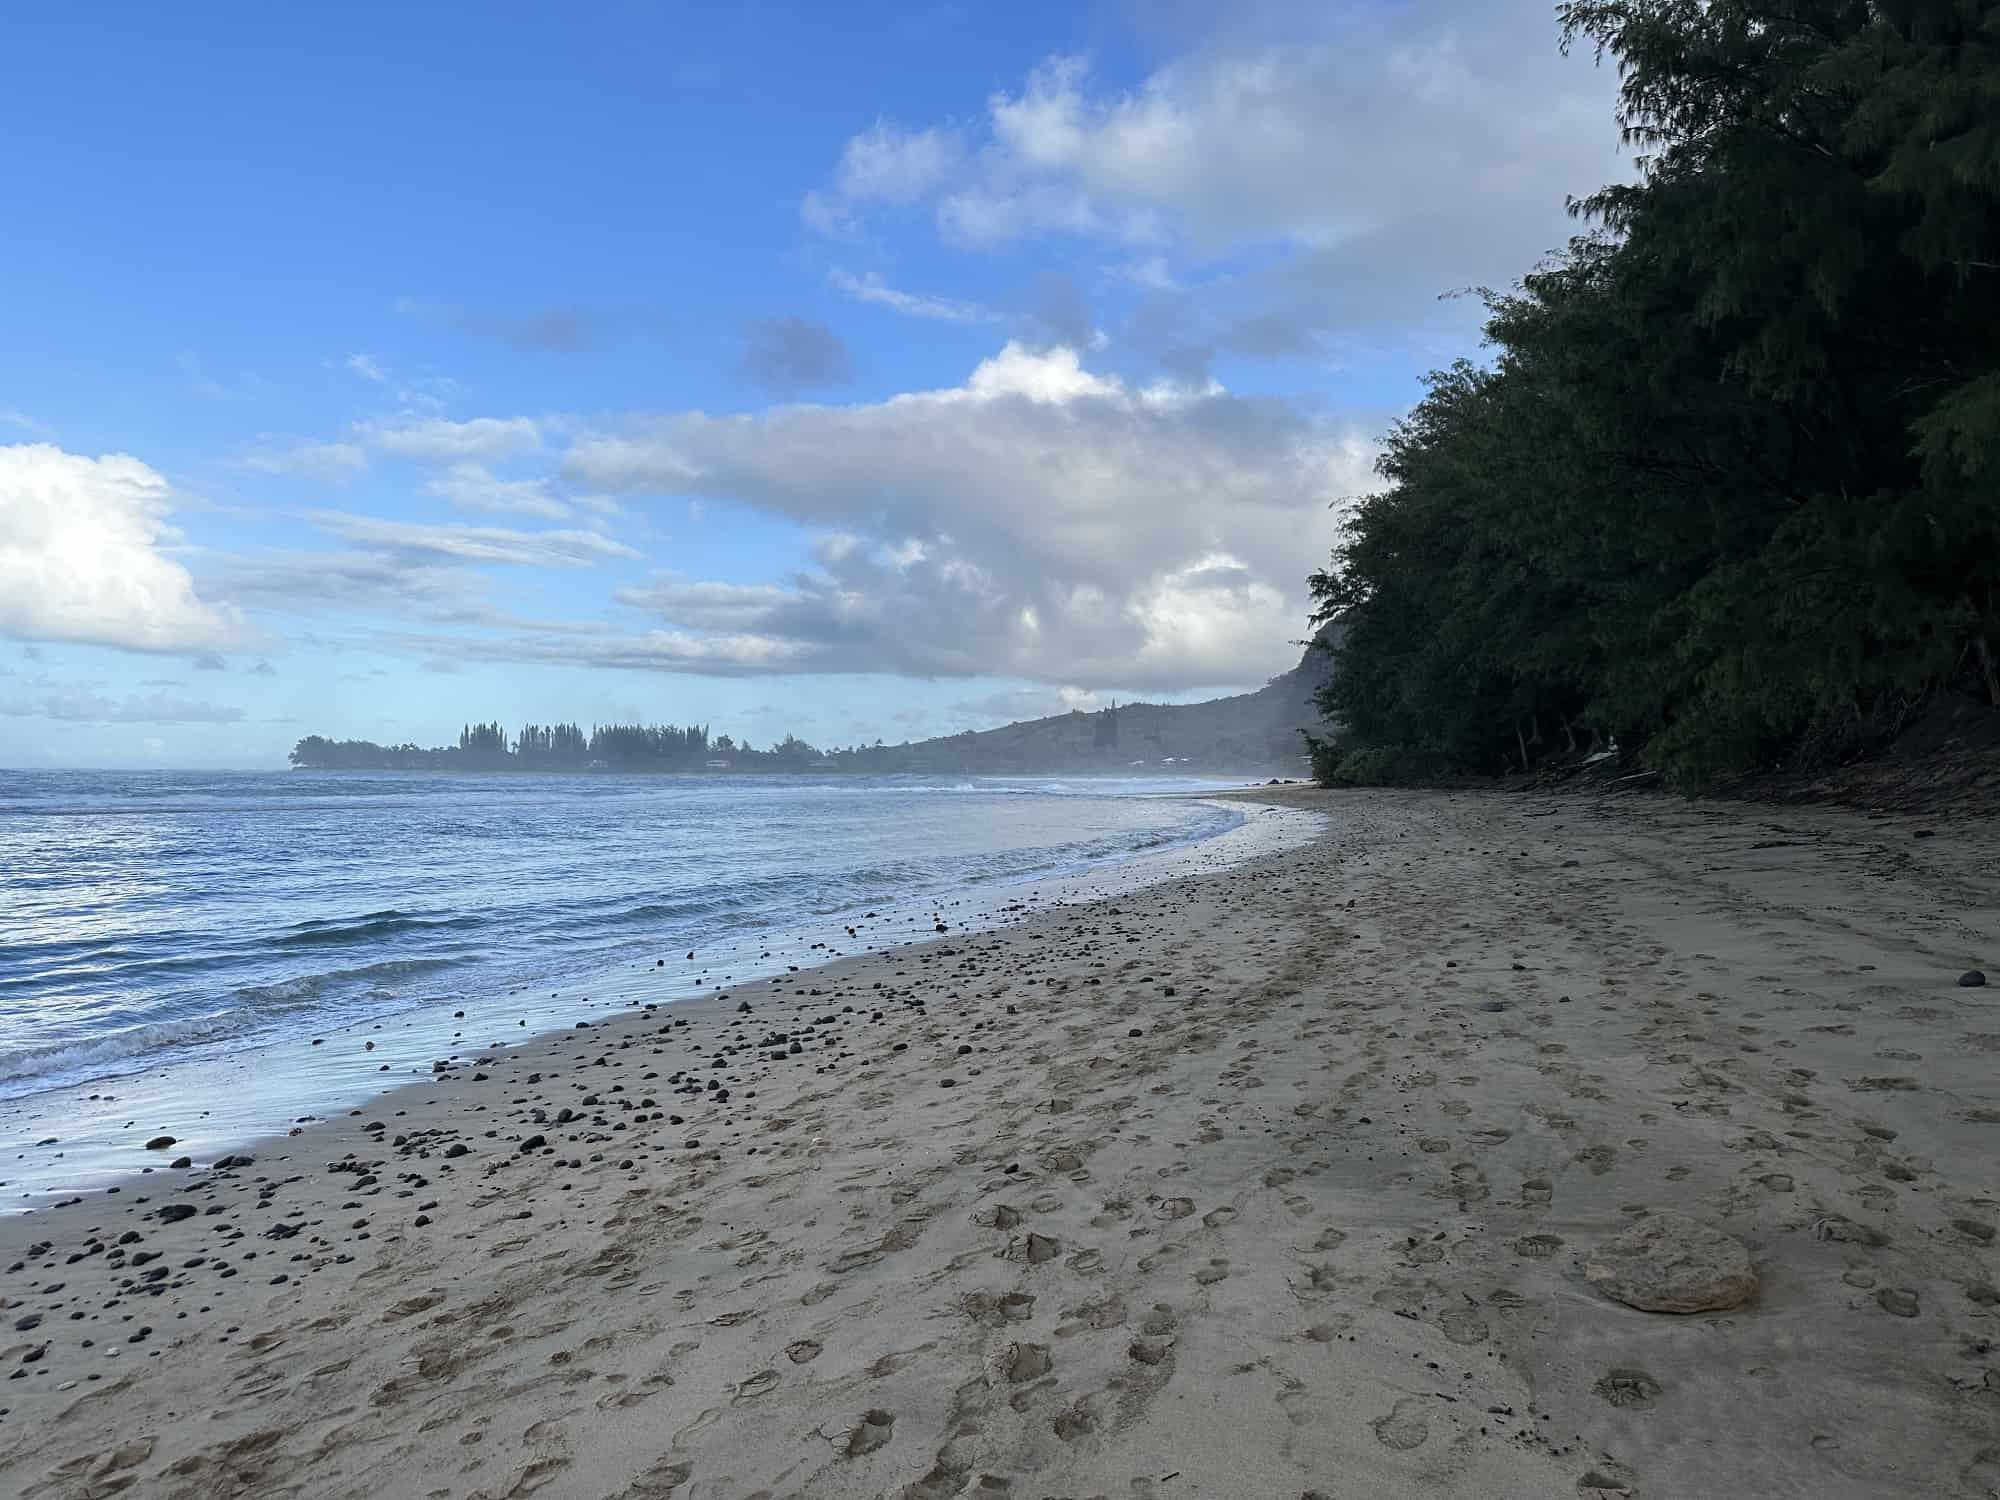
<point x="1337" y="764"/>
<point x="558" y="747"/>
<point x="1729" y="493"/>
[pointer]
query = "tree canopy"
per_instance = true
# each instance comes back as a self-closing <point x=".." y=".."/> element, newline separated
<point x="1728" y="491"/>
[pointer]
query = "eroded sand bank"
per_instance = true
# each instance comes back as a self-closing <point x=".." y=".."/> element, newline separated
<point x="1275" y="1182"/>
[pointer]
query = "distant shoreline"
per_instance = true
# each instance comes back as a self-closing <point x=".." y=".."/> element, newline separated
<point x="1247" y="778"/>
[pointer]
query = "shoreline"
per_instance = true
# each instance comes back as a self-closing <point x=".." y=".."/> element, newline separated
<point x="90" y="1126"/>
<point x="1266" y="1181"/>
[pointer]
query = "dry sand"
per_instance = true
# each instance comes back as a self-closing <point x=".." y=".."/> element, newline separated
<point x="1276" y="1182"/>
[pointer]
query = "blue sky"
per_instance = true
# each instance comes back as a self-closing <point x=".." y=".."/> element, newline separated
<point x="855" y="371"/>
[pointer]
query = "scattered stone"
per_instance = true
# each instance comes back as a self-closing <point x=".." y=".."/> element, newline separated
<point x="1972" y="979"/>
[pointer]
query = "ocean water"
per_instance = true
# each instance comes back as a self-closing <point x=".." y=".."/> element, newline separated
<point x="173" y="943"/>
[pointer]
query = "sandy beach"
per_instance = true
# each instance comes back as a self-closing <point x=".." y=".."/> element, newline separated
<point x="1284" y="1181"/>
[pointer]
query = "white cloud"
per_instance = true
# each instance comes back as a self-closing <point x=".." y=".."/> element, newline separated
<point x="366" y="367"/>
<point x="441" y="440"/>
<point x="329" y="463"/>
<point x="872" y="288"/>
<point x="1330" y="128"/>
<point x="1048" y="375"/>
<point x="707" y="606"/>
<point x="82" y="556"/>
<point x="474" y="487"/>
<point x="883" y="164"/>
<point x="1041" y="520"/>
<point x="479" y="544"/>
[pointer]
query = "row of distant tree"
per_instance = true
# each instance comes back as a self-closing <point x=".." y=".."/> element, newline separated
<point x="1216" y="735"/>
<point x="1728" y="493"/>
<point x="559" y="747"/>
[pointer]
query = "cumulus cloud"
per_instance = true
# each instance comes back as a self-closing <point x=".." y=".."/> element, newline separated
<point x="883" y="164"/>
<point x="1371" y="157"/>
<point x="83" y="556"/>
<point x="80" y="706"/>
<point x="441" y="440"/>
<point x="787" y="355"/>
<point x="474" y="487"/>
<point x="1042" y="520"/>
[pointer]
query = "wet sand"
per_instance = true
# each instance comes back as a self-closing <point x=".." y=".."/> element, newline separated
<point x="1280" y="1181"/>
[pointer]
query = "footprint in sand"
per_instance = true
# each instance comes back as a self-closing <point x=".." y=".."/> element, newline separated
<point x="1214" y="1271"/>
<point x="1040" y="1249"/>
<point x="1462" y="1325"/>
<point x="658" y="1482"/>
<point x="873" y="1431"/>
<point x="996" y="1312"/>
<point x="1609" y="1481"/>
<point x="805" y="1351"/>
<point x="1076" y="1423"/>
<point x="1628" y="1388"/>
<point x="1468" y="1184"/>
<point x="1404" y="1428"/>
<point x="1332" y="1329"/>
<point x="1025" y="1362"/>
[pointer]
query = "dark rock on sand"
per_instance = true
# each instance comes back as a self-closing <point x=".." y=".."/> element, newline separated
<point x="1972" y="979"/>
<point x="160" y="1142"/>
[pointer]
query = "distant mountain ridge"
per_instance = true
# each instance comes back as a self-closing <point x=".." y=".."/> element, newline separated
<point x="1258" y="731"/>
<point x="1249" y="732"/>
